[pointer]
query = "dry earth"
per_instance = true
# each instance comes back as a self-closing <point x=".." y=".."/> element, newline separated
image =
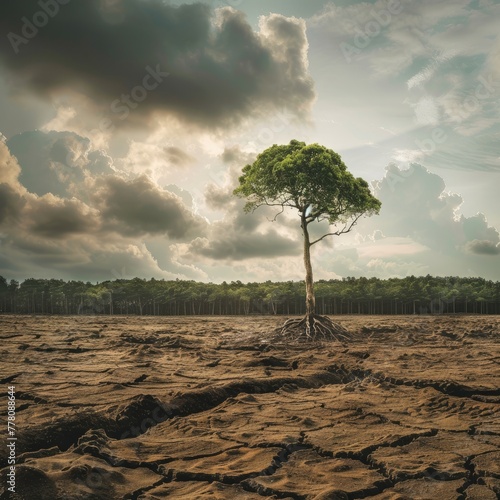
<point x="208" y="407"/>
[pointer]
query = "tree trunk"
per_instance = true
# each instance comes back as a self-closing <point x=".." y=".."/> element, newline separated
<point x="312" y="326"/>
<point x="310" y="300"/>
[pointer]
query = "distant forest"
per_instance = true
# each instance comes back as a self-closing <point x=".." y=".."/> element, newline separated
<point x="410" y="295"/>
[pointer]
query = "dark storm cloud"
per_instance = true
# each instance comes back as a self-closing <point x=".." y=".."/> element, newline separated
<point x="11" y="204"/>
<point x="229" y="243"/>
<point x="53" y="217"/>
<point x="140" y="207"/>
<point x="483" y="247"/>
<point x="219" y="70"/>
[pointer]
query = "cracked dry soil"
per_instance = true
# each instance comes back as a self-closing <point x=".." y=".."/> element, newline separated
<point x="212" y="407"/>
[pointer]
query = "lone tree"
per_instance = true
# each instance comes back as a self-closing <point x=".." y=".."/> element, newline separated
<point x="315" y="181"/>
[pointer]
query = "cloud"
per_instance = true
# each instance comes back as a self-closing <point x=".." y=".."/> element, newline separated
<point x="219" y="195"/>
<point x="11" y="204"/>
<point x="12" y="193"/>
<point x="420" y="230"/>
<point x="150" y="58"/>
<point x="438" y="58"/>
<point x="227" y="243"/>
<point x="66" y="237"/>
<point x="183" y="194"/>
<point x="217" y="198"/>
<point x="57" y="162"/>
<point x="415" y="204"/>
<point x="53" y="217"/>
<point x="399" y="34"/>
<point x="483" y="247"/>
<point x="154" y="159"/>
<point x="139" y="207"/>
<point x="384" y="247"/>
<point x="234" y="156"/>
<point x="476" y="227"/>
<point x="239" y="236"/>
<point x="426" y="111"/>
<point x="9" y="166"/>
<point x="395" y="268"/>
<point x="344" y="262"/>
<point x="65" y="165"/>
<point x="47" y="216"/>
<point x="81" y="257"/>
<point x="178" y="157"/>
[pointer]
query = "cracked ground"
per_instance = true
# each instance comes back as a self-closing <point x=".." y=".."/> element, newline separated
<point x="215" y="407"/>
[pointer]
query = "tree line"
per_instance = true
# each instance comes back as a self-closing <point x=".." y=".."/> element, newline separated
<point x="410" y="295"/>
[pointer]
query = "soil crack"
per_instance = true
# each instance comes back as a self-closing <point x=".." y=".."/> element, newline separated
<point x="449" y="388"/>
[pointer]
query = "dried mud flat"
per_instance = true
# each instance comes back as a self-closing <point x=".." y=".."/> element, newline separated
<point x="208" y="407"/>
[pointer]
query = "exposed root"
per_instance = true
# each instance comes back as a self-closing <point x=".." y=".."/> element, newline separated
<point x="314" y="327"/>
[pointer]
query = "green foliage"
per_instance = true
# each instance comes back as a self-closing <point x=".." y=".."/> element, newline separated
<point x="424" y="294"/>
<point x="306" y="177"/>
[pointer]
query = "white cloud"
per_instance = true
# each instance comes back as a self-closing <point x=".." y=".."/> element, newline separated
<point x="390" y="247"/>
<point x="419" y="231"/>
<point x="62" y="121"/>
<point x="389" y="269"/>
<point x="426" y="111"/>
<point x="426" y="74"/>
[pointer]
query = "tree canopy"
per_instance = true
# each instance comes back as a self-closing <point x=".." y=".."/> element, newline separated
<point x="310" y="178"/>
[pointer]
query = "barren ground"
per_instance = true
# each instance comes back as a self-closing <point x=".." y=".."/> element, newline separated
<point x="207" y="407"/>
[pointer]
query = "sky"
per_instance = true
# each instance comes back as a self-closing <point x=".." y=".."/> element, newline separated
<point x="125" y="124"/>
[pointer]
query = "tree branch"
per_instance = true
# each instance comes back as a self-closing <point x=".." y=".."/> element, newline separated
<point x="265" y="203"/>
<point x="347" y="227"/>
<point x="276" y="216"/>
